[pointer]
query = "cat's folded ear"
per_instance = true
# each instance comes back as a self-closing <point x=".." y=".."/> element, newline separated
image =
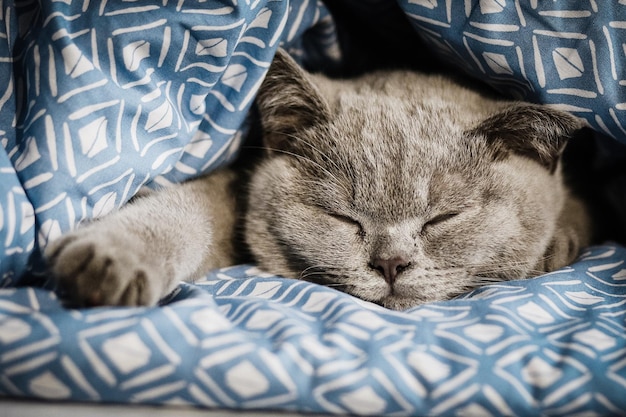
<point x="288" y="102"/>
<point x="531" y="130"/>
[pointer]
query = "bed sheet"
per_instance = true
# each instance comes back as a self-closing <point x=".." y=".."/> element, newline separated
<point x="554" y="345"/>
<point x="102" y="98"/>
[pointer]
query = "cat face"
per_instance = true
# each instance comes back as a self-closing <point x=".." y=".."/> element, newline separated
<point x="381" y="190"/>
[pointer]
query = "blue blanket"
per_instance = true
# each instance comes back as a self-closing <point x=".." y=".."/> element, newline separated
<point x="101" y="99"/>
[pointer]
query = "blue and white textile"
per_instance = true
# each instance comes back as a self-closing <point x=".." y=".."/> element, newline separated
<point x="555" y="345"/>
<point x="119" y="95"/>
<point x="570" y="54"/>
<point x="100" y="98"/>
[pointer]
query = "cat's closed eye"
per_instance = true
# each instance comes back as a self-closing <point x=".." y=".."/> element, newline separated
<point x="349" y="221"/>
<point x="439" y="219"/>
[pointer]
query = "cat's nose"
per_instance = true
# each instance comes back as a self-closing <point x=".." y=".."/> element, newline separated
<point x="389" y="268"/>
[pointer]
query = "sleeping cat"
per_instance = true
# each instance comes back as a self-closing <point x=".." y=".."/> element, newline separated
<point x="396" y="187"/>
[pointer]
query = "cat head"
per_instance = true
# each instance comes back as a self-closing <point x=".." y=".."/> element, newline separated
<point x="400" y="188"/>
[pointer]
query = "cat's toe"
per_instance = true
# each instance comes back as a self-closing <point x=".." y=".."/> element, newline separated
<point x="138" y="291"/>
<point x="97" y="273"/>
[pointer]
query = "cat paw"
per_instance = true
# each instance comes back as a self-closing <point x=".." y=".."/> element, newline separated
<point x="98" y="269"/>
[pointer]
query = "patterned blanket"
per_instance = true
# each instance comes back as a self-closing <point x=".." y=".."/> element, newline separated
<point x="101" y="98"/>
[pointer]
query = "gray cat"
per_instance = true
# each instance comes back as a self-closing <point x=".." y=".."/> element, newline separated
<point x="396" y="187"/>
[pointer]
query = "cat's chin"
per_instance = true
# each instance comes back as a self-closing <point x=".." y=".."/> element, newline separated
<point x="405" y="297"/>
<point x="407" y="293"/>
<point x="393" y="302"/>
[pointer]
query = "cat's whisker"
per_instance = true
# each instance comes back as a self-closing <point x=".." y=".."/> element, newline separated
<point x="478" y="280"/>
<point x="511" y="266"/>
<point x="333" y="285"/>
<point x="308" y="268"/>
<point x="497" y="273"/>
<point x="319" y="152"/>
<point x="317" y="164"/>
<point x="321" y="275"/>
<point x="307" y="271"/>
<point x="316" y="149"/>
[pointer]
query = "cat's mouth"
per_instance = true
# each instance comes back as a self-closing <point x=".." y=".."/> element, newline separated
<point x="414" y="289"/>
<point x="393" y="297"/>
<point x="395" y="301"/>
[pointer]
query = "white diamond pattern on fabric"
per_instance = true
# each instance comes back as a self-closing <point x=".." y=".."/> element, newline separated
<point x="569" y="54"/>
<point x="116" y="97"/>
<point x="236" y="340"/>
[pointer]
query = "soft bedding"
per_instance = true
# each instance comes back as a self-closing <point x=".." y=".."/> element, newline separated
<point x="102" y="98"/>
